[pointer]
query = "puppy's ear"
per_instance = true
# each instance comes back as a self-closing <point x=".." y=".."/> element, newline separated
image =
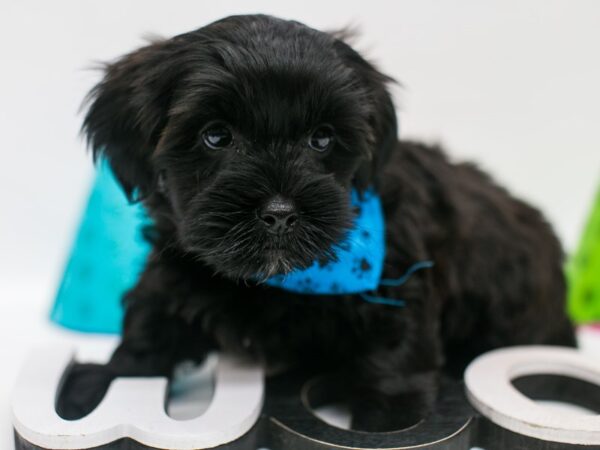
<point x="382" y="116"/>
<point x="128" y="110"/>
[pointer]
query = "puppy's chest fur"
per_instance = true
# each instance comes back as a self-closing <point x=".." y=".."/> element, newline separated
<point x="281" y="329"/>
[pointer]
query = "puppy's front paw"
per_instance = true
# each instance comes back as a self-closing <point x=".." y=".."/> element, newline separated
<point x="380" y="413"/>
<point x="82" y="390"/>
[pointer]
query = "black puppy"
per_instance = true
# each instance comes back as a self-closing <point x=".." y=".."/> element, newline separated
<point x="244" y="139"/>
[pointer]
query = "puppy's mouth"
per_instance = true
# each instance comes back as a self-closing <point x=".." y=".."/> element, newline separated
<point x="281" y="254"/>
<point x="246" y="251"/>
<point x="275" y="249"/>
<point x="276" y="246"/>
<point x="258" y="256"/>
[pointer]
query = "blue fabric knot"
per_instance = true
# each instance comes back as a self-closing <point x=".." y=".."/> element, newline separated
<point x="395" y="282"/>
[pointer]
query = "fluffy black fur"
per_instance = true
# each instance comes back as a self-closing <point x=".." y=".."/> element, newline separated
<point x="497" y="279"/>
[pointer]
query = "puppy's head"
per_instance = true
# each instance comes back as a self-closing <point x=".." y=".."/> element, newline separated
<point x="247" y="135"/>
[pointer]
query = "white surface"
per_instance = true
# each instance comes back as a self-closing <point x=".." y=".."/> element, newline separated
<point x="489" y="388"/>
<point x="511" y="84"/>
<point x="221" y="419"/>
<point x="134" y="408"/>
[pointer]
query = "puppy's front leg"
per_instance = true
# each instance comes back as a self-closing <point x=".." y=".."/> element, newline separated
<point x="156" y="336"/>
<point x="395" y="388"/>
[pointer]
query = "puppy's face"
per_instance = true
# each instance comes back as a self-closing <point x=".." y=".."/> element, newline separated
<point x="251" y="131"/>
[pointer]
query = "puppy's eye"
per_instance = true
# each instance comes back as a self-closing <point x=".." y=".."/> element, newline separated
<point x="217" y="137"/>
<point x="321" y="139"/>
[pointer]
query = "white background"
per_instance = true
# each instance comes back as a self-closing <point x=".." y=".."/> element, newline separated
<point x="513" y="85"/>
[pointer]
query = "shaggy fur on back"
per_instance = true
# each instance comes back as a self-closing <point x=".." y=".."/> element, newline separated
<point x="208" y="127"/>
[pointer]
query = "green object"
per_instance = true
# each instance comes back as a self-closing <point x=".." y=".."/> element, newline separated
<point x="583" y="271"/>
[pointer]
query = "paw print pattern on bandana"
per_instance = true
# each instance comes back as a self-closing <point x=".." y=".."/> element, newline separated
<point x="361" y="267"/>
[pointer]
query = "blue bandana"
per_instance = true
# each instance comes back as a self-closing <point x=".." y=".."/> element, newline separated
<point x="359" y="262"/>
<point x="359" y="258"/>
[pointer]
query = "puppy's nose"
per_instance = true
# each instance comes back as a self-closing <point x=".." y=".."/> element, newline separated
<point x="278" y="214"/>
